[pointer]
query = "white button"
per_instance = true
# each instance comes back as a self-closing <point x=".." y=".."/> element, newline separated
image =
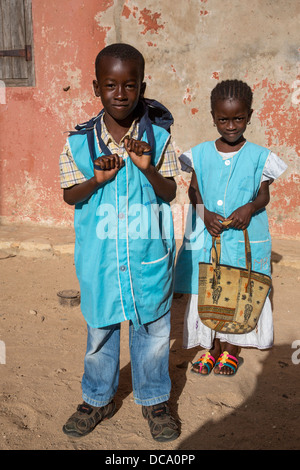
<point x="121" y="215"/>
<point x="227" y="162"/>
<point x="220" y="203"/>
<point x="123" y="268"/>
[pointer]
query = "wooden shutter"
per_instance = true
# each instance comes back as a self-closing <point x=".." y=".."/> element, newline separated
<point x="16" y="43"/>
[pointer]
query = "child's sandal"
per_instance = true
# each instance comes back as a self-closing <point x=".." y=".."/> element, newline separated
<point x="206" y="360"/>
<point x="226" y="359"/>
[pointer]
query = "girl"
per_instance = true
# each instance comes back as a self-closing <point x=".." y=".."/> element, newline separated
<point x="231" y="178"/>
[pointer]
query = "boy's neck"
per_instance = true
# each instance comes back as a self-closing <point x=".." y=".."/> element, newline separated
<point x="117" y="129"/>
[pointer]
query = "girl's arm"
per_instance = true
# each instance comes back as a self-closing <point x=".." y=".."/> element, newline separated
<point x="212" y="220"/>
<point x="241" y="217"/>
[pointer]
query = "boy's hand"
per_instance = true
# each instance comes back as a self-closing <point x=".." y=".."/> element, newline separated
<point x="241" y="217"/>
<point x="139" y="152"/>
<point x="106" y="167"/>
<point x="213" y="223"/>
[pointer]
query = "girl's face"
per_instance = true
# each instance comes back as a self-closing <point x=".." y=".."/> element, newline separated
<point x="231" y="117"/>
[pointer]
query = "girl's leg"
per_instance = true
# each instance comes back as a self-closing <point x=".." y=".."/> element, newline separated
<point x="232" y="351"/>
<point x="215" y="352"/>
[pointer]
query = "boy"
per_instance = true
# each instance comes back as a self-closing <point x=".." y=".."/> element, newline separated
<point x="124" y="262"/>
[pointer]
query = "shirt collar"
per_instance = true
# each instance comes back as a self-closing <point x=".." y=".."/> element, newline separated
<point x="107" y="138"/>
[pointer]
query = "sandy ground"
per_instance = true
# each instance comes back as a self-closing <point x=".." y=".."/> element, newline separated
<point x="44" y="343"/>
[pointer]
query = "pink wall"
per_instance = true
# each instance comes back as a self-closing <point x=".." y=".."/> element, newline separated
<point x="66" y="42"/>
<point x="67" y="37"/>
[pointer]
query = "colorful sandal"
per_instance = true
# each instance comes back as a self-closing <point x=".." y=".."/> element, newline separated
<point x="206" y="360"/>
<point x="226" y="359"/>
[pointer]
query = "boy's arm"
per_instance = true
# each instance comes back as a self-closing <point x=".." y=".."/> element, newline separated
<point x="139" y="152"/>
<point x="80" y="192"/>
<point x="109" y="165"/>
<point x="165" y="188"/>
<point x="241" y="217"/>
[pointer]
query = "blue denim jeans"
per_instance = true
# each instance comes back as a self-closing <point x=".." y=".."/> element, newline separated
<point x="149" y="354"/>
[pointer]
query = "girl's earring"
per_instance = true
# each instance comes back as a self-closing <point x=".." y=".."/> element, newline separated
<point x="248" y="123"/>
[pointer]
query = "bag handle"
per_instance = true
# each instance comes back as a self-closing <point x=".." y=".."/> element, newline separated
<point x="216" y="255"/>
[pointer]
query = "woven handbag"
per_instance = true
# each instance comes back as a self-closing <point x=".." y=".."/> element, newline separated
<point x="230" y="300"/>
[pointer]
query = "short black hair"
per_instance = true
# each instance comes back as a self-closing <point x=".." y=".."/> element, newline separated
<point x="122" y="51"/>
<point x="234" y="89"/>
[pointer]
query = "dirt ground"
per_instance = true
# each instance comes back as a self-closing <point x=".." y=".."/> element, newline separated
<point x="44" y="346"/>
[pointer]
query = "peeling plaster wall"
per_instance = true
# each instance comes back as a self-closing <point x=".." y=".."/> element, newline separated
<point x="188" y="46"/>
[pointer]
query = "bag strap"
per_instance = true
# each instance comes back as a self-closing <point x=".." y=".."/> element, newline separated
<point x="248" y="259"/>
<point x="216" y="256"/>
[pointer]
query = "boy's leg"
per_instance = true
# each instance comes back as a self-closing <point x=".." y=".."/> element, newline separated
<point x="99" y="382"/>
<point x="149" y="350"/>
<point x="101" y="365"/>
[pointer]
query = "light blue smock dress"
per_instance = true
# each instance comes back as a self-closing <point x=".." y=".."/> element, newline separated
<point x="124" y="248"/>
<point x="225" y="185"/>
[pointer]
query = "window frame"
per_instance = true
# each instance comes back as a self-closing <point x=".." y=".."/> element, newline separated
<point x="30" y="80"/>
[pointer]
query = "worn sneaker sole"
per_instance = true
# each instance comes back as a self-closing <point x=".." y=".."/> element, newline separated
<point x="168" y="431"/>
<point x="162" y="438"/>
<point x="72" y="427"/>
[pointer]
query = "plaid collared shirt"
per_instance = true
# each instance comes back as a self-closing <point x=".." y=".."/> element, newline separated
<point x="71" y="175"/>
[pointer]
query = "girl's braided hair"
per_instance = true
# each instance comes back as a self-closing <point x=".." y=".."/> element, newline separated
<point x="234" y="89"/>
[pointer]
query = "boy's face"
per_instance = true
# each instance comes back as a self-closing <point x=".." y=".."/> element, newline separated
<point x="119" y="85"/>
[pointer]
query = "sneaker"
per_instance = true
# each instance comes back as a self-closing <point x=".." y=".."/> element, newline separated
<point x="162" y="425"/>
<point x="86" y="419"/>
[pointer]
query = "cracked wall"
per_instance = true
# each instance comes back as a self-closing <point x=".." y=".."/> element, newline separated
<point x="188" y="46"/>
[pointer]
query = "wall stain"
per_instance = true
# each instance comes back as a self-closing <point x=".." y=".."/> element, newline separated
<point x="278" y="115"/>
<point x="145" y="17"/>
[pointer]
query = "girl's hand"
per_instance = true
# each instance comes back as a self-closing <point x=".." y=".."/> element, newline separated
<point x="241" y="217"/>
<point x="106" y="167"/>
<point x="212" y="222"/>
<point x="139" y="152"/>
